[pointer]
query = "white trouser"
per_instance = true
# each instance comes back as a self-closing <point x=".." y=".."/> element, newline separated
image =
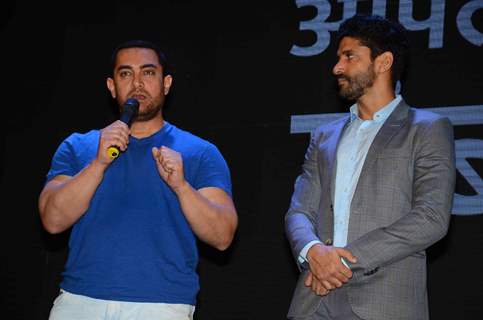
<point x="68" y="306"/>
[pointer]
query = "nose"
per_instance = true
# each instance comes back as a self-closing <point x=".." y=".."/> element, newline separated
<point x="138" y="82"/>
<point x="338" y="68"/>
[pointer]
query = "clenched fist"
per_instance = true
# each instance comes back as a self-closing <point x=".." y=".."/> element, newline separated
<point x="116" y="134"/>
<point x="170" y="166"/>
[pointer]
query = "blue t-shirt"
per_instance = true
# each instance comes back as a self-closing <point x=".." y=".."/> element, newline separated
<point x="134" y="243"/>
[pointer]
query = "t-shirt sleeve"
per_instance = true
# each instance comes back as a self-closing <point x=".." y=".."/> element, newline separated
<point x="63" y="162"/>
<point x="213" y="171"/>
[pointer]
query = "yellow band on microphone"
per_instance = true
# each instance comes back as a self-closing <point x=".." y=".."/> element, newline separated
<point x="113" y="152"/>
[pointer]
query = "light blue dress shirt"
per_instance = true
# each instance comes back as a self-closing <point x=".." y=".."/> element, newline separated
<point x="351" y="153"/>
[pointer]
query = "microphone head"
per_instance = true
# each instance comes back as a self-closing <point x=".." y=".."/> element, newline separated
<point x="132" y="105"/>
<point x="130" y="110"/>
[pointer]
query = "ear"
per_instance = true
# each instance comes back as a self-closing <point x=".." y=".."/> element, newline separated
<point x="384" y="62"/>
<point x="167" y="82"/>
<point x="111" y="86"/>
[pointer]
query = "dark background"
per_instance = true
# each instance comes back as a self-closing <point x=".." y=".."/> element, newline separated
<point x="236" y="84"/>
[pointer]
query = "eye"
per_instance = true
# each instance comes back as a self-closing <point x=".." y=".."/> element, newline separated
<point x="124" y="73"/>
<point x="149" y="72"/>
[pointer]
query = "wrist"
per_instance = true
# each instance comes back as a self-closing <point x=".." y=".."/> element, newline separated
<point x="312" y="250"/>
<point x="182" y="188"/>
<point x="98" y="166"/>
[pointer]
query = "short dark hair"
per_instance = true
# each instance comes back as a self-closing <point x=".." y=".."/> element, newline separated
<point x="141" y="44"/>
<point x="379" y="35"/>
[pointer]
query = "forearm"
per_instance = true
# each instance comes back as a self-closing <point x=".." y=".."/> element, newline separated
<point x="303" y="213"/>
<point x="65" y="199"/>
<point x="411" y="234"/>
<point x="213" y="221"/>
<point x="300" y="231"/>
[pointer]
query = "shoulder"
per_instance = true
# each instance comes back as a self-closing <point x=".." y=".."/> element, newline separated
<point x="426" y="122"/>
<point x="77" y="138"/>
<point x="425" y="116"/>
<point x="430" y="126"/>
<point x="189" y="142"/>
<point x="326" y="130"/>
<point x="79" y="143"/>
<point x="186" y="135"/>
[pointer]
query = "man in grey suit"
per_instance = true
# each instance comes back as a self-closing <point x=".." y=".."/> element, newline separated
<point x="375" y="190"/>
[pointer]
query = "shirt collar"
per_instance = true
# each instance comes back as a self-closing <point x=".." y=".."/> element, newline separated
<point x="380" y="115"/>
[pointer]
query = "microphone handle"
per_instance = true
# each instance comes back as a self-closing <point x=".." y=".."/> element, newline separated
<point x="126" y="116"/>
<point x="113" y="151"/>
<point x="131" y="107"/>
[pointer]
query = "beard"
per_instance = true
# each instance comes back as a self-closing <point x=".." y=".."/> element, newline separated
<point x="149" y="108"/>
<point x="356" y="85"/>
<point x="151" y="111"/>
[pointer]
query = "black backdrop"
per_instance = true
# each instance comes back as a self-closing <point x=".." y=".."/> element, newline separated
<point x="237" y="84"/>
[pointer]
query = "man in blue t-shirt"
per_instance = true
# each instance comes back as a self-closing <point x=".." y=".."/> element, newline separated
<point x="135" y="217"/>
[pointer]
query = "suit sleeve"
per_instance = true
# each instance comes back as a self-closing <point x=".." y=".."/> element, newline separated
<point x="432" y="196"/>
<point x="300" y="220"/>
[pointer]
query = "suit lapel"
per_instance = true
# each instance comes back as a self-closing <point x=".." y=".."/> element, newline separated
<point x="329" y="153"/>
<point x="332" y="143"/>
<point x="392" y="125"/>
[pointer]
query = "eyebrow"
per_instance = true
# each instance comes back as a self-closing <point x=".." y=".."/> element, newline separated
<point x="149" y="65"/>
<point x="144" y="66"/>
<point x="346" y="52"/>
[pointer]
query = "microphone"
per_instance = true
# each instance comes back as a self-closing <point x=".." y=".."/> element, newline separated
<point x="130" y="110"/>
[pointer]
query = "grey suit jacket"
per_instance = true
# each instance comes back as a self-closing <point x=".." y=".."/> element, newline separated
<point x="400" y="207"/>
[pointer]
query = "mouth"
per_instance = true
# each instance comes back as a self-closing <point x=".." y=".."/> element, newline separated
<point x="341" y="81"/>
<point x="139" y="97"/>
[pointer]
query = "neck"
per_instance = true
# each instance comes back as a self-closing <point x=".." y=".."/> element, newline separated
<point x="146" y="128"/>
<point x="374" y="100"/>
